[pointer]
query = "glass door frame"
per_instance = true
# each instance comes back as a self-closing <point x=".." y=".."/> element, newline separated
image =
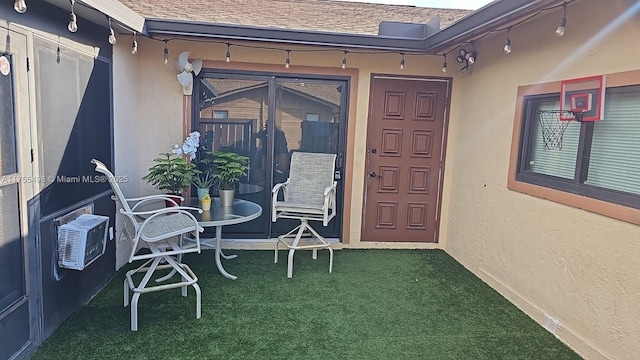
<point x="272" y="78"/>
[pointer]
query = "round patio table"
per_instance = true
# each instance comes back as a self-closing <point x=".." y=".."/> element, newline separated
<point x="241" y="211"/>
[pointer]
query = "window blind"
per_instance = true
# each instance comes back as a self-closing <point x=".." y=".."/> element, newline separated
<point x="554" y="162"/>
<point x="615" y="150"/>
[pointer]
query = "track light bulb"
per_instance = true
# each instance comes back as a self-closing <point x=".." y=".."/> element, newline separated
<point x="507" y="46"/>
<point x="112" y="37"/>
<point x="444" y="66"/>
<point x="402" y="63"/>
<point x="228" y="57"/>
<point x="134" y="47"/>
<point x="560" y="29"/>
<point x="472" y="57"/>
<point x="563" y="21"/>
<point x="288" y="61"/>
<point x="73" y="23"/>
<point x="344" y="60"/>
<point x="20" y="6"/>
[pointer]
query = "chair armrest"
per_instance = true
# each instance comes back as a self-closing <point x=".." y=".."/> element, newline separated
<point x="145" y="199"/>
<point x="274" y="197"/>
<point x="173" y="210"/>
<point x="330" y="188"/>
<point x="161" y="211"/>
<point x="277" y="187"/>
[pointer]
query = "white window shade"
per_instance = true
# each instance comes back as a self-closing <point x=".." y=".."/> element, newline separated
<point x="555" y="162"/>
<point x="615" y="150"/>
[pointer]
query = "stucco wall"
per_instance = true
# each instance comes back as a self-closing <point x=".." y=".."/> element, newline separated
<point x="547" y="258"/>
<point x="149" y="105"/>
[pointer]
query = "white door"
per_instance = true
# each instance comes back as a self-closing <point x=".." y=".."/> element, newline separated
<point x="18" y="327"/>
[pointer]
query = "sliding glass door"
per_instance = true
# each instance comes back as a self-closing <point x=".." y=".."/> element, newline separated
<point x="234" y="112"/>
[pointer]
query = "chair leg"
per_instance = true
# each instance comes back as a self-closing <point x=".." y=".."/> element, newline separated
<point x="126" y="292"/>
<point x="292" y="248"/>
<point x="134" y="312"/>
<point x="198" y="301"/>
<point x="330" y="259"/>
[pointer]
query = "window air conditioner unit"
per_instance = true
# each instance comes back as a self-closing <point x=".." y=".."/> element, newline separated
<point x="82" y="240"/>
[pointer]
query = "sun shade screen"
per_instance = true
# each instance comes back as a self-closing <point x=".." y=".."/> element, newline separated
<point x="310" y="174"/>
<point x="615" y="150"/>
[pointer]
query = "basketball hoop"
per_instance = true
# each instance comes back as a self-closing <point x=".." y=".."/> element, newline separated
<point x="553" y="123"/>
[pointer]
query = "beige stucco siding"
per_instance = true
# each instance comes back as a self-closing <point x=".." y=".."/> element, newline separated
<point x="576" y="266"/>
<point x="547" y="258"/>
<point x="152" y="118"/>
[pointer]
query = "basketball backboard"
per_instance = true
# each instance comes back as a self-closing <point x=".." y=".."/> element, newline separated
<point x="584" y="96"/>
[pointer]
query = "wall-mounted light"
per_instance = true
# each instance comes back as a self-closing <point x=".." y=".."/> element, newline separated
<point x="20" y="6"/>
<point x="563" y="21"/>
<point x="444" y="64"/>
<point x="507" y="43"/>
<point x="112" y="34"/>
<point x="288" y="61"/>
<point x="73" y="20"/>
<point x="134" y="45"/>
<point x="466" y="58"/>
<point x="165" y="52"/>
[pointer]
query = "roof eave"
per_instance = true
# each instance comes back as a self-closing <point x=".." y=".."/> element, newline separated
<point x="167" y="27"/>
<point x="492" y="16"/>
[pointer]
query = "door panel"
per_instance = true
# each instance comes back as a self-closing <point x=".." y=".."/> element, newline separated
<point x="235" y="114"/>
<point x="18" y="324"/>
<point x="308" y="115"/>
<point x="404" y="159"/>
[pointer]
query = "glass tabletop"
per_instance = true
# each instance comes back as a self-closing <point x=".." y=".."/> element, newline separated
<point x="241" y="211"/>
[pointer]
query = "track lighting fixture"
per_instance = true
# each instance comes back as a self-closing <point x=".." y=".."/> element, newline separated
<point x="112" y="34"/>
<point x="344" y="60"/>
<point x="402" y="62"/>
<point x="165" y="52"/>
<point x="507" y="43"/>
<point x="20" y="6"/>
<point x="563" y="21"/>
<point x="444" y="64"/>
<point x="228" y="57"/>
<point x="134" y="45"/>
<point x="466" y="58"/>
<point x="73" y="20"/>
<point x="288" y="61"/>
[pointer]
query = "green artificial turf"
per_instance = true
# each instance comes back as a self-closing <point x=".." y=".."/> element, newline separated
<point x="377" y="304"/>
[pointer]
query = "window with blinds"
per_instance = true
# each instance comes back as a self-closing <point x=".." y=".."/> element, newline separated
<point x="600" y="160"/>
<point x="555" y="162"/>
<point x="615" y="148"/>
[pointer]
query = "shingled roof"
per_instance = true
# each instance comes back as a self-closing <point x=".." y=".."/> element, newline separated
<point x="313" y="15"/>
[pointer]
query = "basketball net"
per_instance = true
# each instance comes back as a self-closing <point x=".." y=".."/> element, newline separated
<point x="553" y="124"/>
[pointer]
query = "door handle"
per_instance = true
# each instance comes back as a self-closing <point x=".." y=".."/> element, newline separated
<point x="373" y="175"/>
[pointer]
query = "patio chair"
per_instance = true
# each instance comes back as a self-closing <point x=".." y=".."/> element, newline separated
<point x="308" y="195"/>
<point x="162" y="231"/>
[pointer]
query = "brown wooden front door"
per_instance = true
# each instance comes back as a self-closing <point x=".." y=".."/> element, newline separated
<point x="405" y="158"/>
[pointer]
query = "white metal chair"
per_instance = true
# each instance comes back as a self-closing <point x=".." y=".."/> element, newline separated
<point x="162" y="231"/>
<point x="309" y="194"/>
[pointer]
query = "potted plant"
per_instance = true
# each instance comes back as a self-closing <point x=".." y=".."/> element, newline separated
<point x="229" y="168"/>
<point x="206" y="202"/>
<point x="171" y="173"/>
<point x="203" y="180"/>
